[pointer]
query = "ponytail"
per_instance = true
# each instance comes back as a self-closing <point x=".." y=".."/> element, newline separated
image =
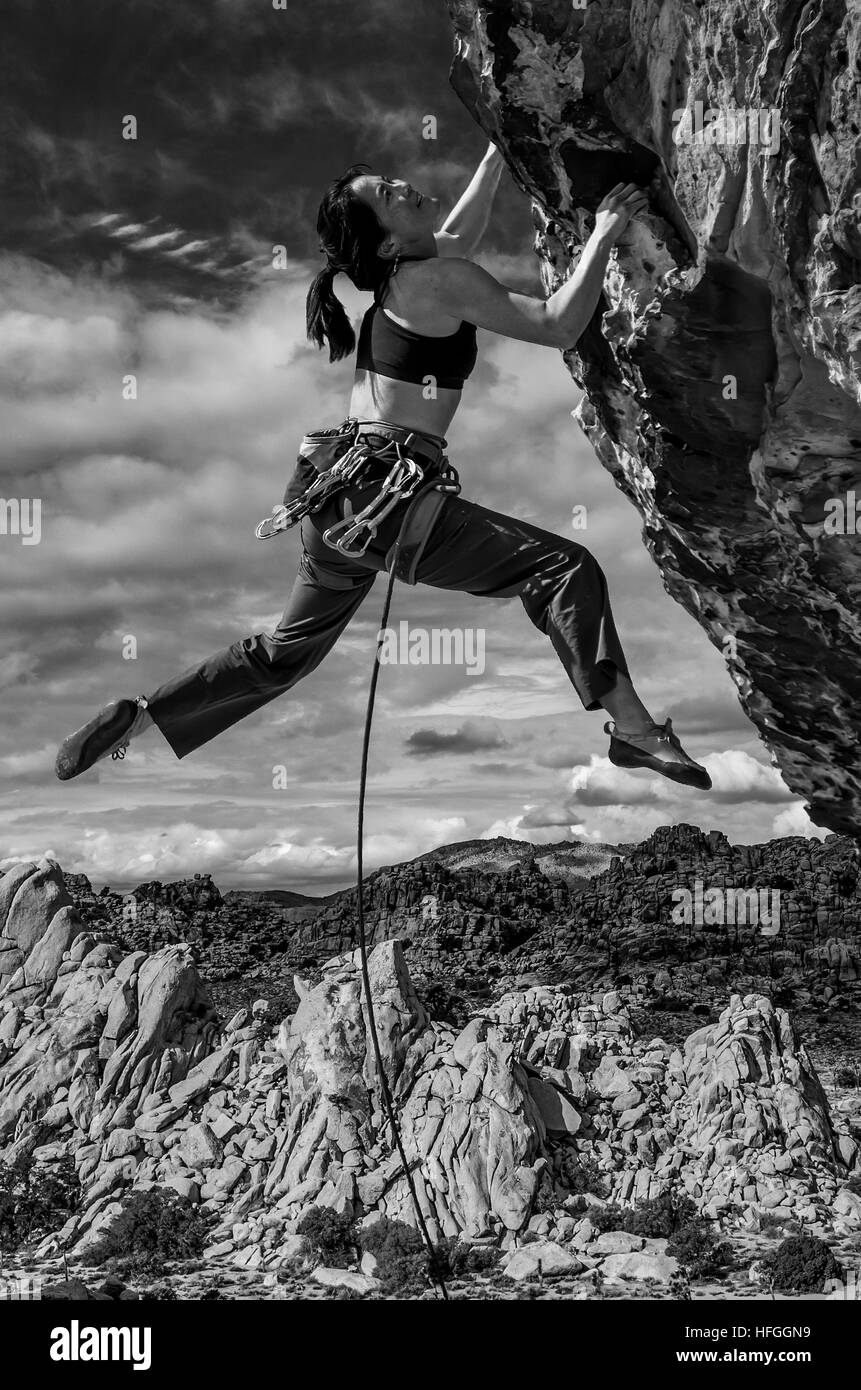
<point x="326" y="318"/>
<point x="350" y="236"/>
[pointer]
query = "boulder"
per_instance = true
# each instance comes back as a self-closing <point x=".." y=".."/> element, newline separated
<point x="542" y="1258"/>
<point x="640" y="1265"/>
<point x="345" y="1279"/>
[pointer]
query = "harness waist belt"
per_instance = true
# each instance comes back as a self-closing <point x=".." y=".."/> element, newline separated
<point x="410" y="440"/>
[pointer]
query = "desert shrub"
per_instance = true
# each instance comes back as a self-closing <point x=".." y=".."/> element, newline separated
<point x="657" y="1217"/>
<point x="454" y="1259"/>
<point x="698" y="1252"/>
<point x="403" y="1263"/>
<point x="545" y="1199"/>
<point x="612" y="1217"/>
<point x="154" y="1228"/>
<point x="331" y="1237"/>
<point x="405" y="1267"/>
<point x="847" y="1075"/>
<point x="672" y="1216"/>
<point x="580" y="1173"/>
<point x="36" y="1200"/>
<point x="773" y="1221"/>
<point x="801" y="1264"/>
<point x="445" y="1005"/>
<point x="161" y="1293"/>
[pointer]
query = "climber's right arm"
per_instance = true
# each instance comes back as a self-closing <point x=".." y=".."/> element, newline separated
<point x="466" y="291"/>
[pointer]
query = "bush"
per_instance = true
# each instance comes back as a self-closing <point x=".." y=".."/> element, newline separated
<point x="847" y="1075"/>
<point x="153" y="1228"/>
<point x="36" y="1200"/>
<point x="658" y="1217"/>
<point x="331" y="1237"/>
<point x="403" y="1262"/>
<point x="445" y="1005"/>
<point x="581" y="1174"/>
<point x="773" y="1221"/>
<point x="801" y="1264"/>
<point x="674" y="1217"/>
<point x="455" y="1259"/>
<point x="697" y="1251"/>
<point x="162" y="1293"/>
<point x="405" y="1267"/>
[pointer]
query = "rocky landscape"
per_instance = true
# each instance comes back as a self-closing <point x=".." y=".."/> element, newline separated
<point x="524" y="1122"/>
<point x="721" y="371"/>
<point x="478" y="919"/>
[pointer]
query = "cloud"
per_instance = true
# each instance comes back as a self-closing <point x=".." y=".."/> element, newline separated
<point x="795" y="821"/>
<point x="602" y="784"/>
<point x="469" y="738"/>
<point x="736" y="777"/>
<point x="711" y="714"/>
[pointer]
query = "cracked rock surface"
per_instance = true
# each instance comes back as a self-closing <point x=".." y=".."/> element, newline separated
<point x="721" y="370"/>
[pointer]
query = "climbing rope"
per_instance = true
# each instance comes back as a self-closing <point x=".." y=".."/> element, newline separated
<point x="363" y="952"/>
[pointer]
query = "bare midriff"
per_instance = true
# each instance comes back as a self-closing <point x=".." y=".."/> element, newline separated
<point x="404" y="403"/>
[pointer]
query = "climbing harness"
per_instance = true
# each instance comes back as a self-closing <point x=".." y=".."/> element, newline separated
<point x="405" y="482"/>
<point x="345" y="456"/>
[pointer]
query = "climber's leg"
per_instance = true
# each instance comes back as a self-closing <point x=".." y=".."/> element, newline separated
<point x="560" y="584"/>
<point x="211" y="696"/>
<point x="625" y="705"/>
<point x="564" y="591"/>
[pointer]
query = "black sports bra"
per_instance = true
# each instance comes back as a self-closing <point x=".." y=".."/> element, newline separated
<point x="389" y="349"/>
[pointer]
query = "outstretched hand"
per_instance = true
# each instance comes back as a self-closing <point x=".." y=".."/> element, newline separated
<point x="621" y="204"/>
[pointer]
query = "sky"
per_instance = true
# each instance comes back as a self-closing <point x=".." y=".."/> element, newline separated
<point x="154" y="257"/>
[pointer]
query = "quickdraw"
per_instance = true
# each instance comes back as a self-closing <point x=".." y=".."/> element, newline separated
<point x="402" y="480"/>
<point x="322" y="488"/>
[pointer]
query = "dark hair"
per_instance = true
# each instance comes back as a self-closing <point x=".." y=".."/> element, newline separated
<point x="350" y="234"/>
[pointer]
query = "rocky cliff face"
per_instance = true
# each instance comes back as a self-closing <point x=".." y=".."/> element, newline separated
<point x="117" y="1062"/>
<point x="721" y="370"/>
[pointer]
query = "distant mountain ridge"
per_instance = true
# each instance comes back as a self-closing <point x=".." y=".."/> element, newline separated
<point x="481" y="915"/>
<point x="574" y="861"/>
<point x="571" y="860"/>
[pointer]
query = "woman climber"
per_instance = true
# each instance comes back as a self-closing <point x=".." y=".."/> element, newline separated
<point x="377" y="492"/>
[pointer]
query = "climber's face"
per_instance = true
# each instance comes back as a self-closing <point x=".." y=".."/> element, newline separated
<point x="407" y="215"/>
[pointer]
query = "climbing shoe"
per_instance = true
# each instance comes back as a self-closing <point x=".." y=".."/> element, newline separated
<point x="658" y="749"/>
<point x="107" y="732"/>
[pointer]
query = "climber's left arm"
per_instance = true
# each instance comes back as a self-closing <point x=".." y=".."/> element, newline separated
<point x="465" y="225"/>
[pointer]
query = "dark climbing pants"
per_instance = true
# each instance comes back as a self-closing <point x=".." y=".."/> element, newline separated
<point x="469" y="549"/>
